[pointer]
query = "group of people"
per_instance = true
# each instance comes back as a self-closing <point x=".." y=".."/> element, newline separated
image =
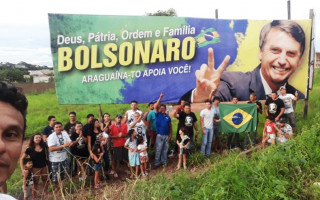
<point x="77" y="149"/>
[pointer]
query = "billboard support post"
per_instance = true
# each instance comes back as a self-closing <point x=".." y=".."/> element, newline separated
<point x="311" y="63"/>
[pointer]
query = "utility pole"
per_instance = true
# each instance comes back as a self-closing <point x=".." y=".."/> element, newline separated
<point x="289" y="9"/>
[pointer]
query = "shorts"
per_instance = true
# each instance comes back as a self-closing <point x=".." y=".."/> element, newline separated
<point x="58" y="169"/>
<point x="97" y="166"/>
<point x="271" y="136"/>
<point x="292" y="119"/>
<point x="28" y="192"/>
<point x="120" y="153"/>
<point x="281" y="139"/>
<point x="134" y="160"/>
<point x="144" y="159"/>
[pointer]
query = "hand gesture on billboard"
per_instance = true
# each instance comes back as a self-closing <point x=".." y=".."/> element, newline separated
<point x="208" y="78"/>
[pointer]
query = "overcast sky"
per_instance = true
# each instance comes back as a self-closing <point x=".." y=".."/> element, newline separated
<point x="24" y="29"/>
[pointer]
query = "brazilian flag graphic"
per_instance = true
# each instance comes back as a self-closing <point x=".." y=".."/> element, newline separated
<point x="208" y="36"/>
<point x="238" y="118"/>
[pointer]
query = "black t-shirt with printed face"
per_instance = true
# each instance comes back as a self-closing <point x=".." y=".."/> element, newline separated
<point x="188" y="121"/>
<point x="274" y="106"/>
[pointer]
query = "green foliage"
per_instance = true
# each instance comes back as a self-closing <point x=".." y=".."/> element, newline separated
<point x="278" y="172"/>
<point x="169" y="12"/>
<point x="11" y="75"/>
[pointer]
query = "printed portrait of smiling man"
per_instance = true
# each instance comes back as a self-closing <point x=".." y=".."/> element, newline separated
<point x="282" y="45"/>
<point x="280" y="56"/>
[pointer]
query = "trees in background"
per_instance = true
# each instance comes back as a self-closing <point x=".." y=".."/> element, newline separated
<point x="169" y="12"/>
<point x="11" y="75"/>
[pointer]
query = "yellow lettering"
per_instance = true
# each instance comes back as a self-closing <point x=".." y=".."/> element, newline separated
<point x="144" y="53"/>
<point x="82" y="55"/>
<point x="191" y="43"/>
<point x="173" y="45"/>
<point x="111" y="59"/>
<point x="94" y="57"/>
<point x="157" y="52"/>
<point x="64" y="59"/>
<point x="125" y="53"/>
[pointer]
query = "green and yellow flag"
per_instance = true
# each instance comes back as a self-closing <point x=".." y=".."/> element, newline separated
<point x="238" y="118"/>
<point x="208" y="36"/>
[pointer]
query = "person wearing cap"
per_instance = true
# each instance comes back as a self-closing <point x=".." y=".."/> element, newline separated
<point x="286" y="130"/>
<point x="118" y="134"/>
<point x="287" y="100"/>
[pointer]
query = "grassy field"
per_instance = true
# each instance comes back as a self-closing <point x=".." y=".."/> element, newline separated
<point x="282" y="172"/>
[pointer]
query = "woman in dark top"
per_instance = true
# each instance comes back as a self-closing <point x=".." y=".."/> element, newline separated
<point x="37" y="151"/>
<point x="94" y="135"/>
<point x="79" y="149"/>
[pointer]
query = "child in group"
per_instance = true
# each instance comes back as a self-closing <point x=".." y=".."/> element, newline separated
<point x="131" y="145"/>
<point x="27" y="178"/>
<point x="142" y="149"/>
<point x="184" y="146"/>
<point x="269" y="134"/>
<point x="96" y="155"/>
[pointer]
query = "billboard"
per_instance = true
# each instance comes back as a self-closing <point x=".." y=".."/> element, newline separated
<point x="115" y="59"/>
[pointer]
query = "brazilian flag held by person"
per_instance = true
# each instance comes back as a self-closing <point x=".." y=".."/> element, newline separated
<point x="238" y="118"/>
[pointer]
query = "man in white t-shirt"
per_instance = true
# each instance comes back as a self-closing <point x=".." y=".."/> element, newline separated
<point x="57" y="142"/>
<point x="138" y="125"/>
<point x="206" y="118"/>
<point x="129" y="116"/>
<point x="288" y="100"/>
